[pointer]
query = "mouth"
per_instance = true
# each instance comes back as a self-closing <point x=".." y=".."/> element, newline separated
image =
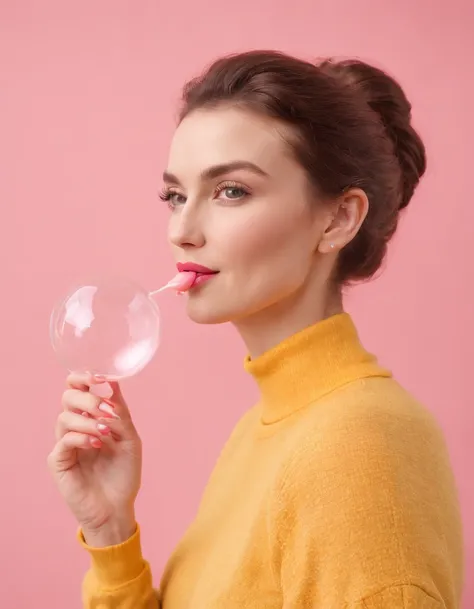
<point x="202" y="273"/>
<point x="192" y="267"/>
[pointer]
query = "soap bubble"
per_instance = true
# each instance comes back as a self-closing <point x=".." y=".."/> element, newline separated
<point x="107" y="327"/>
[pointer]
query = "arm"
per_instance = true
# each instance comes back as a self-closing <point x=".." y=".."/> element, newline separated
<point x="118" y="577"/>
<point x="367" y="519"/>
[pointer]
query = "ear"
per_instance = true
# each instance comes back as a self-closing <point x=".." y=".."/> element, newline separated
<point x="350" y="212"/>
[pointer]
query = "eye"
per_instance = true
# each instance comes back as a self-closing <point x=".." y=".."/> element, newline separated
<point x="231" y="191"/>
<point x="172" y="197"/>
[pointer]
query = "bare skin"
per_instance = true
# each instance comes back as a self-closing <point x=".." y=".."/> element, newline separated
<point x="241" y="205"/>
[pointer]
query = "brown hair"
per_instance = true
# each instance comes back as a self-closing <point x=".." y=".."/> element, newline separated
<point x="352" y="127"/>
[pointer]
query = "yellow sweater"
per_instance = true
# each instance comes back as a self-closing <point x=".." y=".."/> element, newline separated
<point x="334" y="492"/>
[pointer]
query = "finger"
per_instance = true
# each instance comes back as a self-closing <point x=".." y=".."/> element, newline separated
<point x="89" y="382"/>
<point x="87" y="405"/>
<point x="79" y="401"/>
<point x="118" y="401"/>
<point x="73" y="440"/>
<point x="79" y="380"/>
<point x="71" y="421"/>
<point x="106" y="429"/>
<point x="120" y="429"/>
<point x="115" y="399"/>
<point x="86" y="392"/>
<point x="63" y="455"/>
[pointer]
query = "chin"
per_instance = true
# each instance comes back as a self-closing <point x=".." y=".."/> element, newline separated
<point x="207" y="310"/>
<point x="205" y="314"/>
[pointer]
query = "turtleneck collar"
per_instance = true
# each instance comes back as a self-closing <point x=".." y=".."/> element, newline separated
<point x="310" y="364"/>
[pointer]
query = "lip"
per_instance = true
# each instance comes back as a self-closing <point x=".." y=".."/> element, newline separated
<point x="204" y="278"/>
<point x="184" y="267"/>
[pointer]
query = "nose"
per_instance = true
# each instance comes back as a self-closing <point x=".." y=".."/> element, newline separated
<point x="185" y="228"/>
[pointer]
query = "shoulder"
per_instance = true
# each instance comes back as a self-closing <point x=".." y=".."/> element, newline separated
<point x="369" y="482"/>
<point x="373" y="444"/>
<point x="370" y="419"/>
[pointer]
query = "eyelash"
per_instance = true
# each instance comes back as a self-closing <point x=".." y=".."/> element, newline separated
<point x="167" y="193"/>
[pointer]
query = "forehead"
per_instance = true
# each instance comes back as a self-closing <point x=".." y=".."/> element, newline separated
<point x="214" y="136"/>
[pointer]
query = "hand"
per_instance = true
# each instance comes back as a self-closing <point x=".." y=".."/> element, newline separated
<point x="97" y="460"/>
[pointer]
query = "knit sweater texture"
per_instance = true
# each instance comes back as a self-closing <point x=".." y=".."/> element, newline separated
<point x="335" y="491"/>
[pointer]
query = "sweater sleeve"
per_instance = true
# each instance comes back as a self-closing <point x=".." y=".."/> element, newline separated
<point x="118" y="577"/>
<point x="367" y="519"/>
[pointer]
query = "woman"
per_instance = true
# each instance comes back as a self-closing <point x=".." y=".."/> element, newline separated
<point x="285" y="180"/>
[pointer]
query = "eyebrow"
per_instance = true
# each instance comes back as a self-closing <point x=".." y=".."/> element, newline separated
<point x="217" y="170"/>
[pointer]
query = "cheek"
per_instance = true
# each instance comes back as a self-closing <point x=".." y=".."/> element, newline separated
<point x="269" y="247"/>
<point x="251" y="240"/>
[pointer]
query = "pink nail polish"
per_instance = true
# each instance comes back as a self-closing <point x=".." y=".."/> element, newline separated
<point x="103" y="429"/>
<point x="104" y="407"/>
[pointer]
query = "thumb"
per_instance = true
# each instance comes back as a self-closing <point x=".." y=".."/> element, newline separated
<point x="111" y="393"/>
<point x="118" y="401"/>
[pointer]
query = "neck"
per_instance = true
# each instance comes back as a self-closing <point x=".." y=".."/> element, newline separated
<point x="309" y="365"/>
<point x="269" y="327"/>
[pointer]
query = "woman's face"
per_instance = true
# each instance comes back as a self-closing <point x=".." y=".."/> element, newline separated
<point x="239" y="205"/>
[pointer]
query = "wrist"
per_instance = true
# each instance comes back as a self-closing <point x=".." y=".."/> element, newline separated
<point x="112" y="533"/>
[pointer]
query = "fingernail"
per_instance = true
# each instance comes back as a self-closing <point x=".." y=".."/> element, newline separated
<point x="99" y="377"/>
<point x="104" y="390"/>
<point x="96" y="443"/>
<point x="103" y="429"/>
<point x="104" y="407"/>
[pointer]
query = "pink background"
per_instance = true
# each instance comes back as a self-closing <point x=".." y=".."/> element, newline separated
<point x="87" y="103"/>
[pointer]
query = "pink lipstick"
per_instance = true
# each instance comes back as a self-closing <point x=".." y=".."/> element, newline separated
<point x="202" y="273"/>
<point x="185" y="267"/>
<point x="189" y="275"/>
